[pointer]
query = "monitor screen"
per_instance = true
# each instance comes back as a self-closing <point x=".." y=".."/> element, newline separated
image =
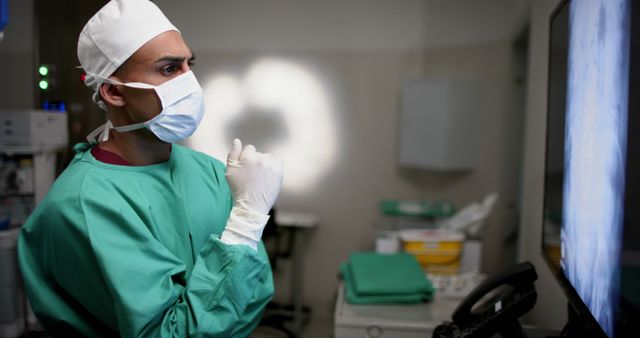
<point x="591" y="232"/>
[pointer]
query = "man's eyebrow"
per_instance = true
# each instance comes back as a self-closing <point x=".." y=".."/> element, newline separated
<point x="177" y="59"/>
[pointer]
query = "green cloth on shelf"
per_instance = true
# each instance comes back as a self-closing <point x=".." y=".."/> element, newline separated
<point x="372" y="278"/>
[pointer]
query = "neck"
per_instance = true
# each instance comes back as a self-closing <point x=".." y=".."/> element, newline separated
<point x="138" y="147"/>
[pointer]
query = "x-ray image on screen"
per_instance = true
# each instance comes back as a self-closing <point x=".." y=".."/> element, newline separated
<point x="595" y="152"/>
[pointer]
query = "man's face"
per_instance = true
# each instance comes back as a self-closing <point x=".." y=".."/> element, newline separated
<point x="161" y="59"/>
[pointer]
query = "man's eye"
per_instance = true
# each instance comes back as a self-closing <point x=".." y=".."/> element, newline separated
<point x="168" y="70"/>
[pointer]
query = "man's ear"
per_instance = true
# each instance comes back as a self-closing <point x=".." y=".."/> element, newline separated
<point x="111" y="95"/>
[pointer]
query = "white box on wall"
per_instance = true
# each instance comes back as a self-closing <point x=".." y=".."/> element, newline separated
<point x="438" y="124"/>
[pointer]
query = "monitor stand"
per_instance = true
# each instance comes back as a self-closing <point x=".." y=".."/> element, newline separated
<point x="577" y="327"/>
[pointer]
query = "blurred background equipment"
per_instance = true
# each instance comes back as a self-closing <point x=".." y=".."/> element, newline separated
<point x="32" y="145"/>
<point x="291" y="317"/>
<point x="4" y="17"/>
<point x="471" y="218"/>
<point x="444" y="241"/>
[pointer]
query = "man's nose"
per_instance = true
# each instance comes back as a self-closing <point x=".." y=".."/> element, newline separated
<point x="185" y="67"/>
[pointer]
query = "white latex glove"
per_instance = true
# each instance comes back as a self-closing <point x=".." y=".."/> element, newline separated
<point x="255" y="180"/>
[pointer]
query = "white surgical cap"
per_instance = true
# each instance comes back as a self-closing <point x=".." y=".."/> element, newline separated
<point x="113" y="34"/>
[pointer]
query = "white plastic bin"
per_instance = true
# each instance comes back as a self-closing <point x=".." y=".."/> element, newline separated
<point x="11" y="295"/>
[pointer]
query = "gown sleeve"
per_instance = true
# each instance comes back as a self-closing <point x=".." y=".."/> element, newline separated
<point x="147" y="285"/>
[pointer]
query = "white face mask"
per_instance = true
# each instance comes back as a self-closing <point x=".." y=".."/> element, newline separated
<point x="182" y="109"/>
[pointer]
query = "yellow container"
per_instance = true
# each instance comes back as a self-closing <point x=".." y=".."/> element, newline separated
<point x="437" y="251"/>
<point x="436" y="257"/>
<point x="444" y="245"/>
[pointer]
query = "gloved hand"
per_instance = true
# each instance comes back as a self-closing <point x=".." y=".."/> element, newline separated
<point x="254" y="179"/>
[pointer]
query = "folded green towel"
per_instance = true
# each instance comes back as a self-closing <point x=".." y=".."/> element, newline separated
<point x="354" y="298"/>
<point x="388" y="274"/>
<point x="372" y="278"/>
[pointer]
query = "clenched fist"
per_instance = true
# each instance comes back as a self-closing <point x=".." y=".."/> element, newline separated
<point x="255" y="180"/>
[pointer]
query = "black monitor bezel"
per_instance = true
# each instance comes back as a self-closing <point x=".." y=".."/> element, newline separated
<point x="591" y="325"/>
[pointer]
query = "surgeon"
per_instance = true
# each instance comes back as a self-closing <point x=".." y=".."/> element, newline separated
<point x="139" y="236"/>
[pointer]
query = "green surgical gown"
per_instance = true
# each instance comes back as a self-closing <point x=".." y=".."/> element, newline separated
<point x="134" y="251"/>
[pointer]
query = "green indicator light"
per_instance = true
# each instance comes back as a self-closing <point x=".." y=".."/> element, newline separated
<point x="44" y="85"/>
<point x="43" y="70"/>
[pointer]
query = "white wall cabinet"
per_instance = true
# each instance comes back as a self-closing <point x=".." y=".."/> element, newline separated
<point x="439" y="124"/>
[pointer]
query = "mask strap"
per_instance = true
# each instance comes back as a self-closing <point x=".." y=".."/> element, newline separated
<point x="103" y="131"/>
<point x="130" y="127"/>
<point x="139" y="85"/>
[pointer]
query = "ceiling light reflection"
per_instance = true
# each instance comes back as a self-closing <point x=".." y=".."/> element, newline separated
<point x="288" y="95"/>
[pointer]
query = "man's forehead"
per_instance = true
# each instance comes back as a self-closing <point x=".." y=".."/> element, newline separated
<point x="166" y="45"/>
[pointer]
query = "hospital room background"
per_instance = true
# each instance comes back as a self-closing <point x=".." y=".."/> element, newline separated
<point x="326" y="85"/>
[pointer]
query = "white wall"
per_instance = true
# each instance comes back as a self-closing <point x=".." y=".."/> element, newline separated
<point x="497" y="148"/>
<point x="285" y="24"/>
<point x="460" y="23"/>
<point x="552" y="304"/>
<point x="335" y="24"/>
